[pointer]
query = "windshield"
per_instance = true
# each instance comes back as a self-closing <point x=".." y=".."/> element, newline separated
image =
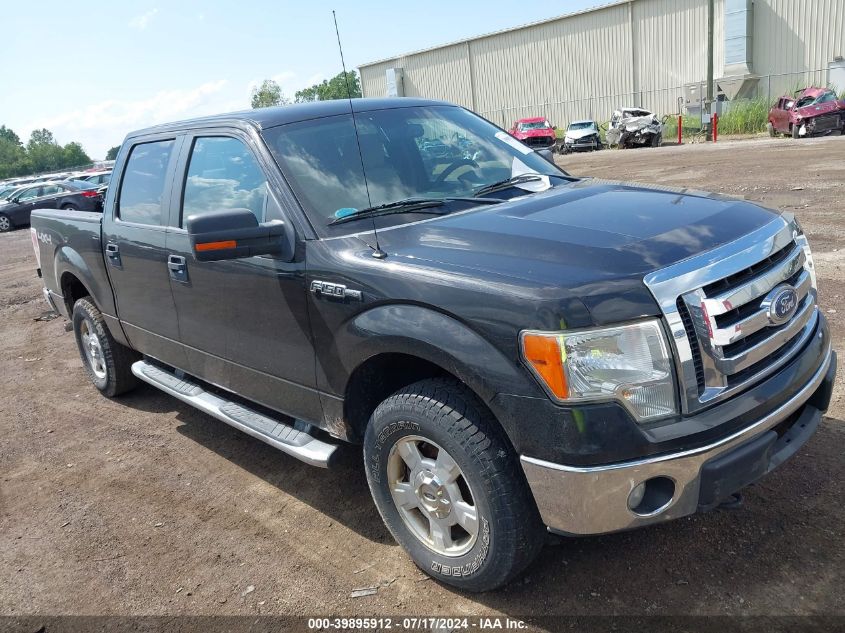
<point x="534" y="125"/>
<point x="417" y="152"/>
<point x="583" y="125"/>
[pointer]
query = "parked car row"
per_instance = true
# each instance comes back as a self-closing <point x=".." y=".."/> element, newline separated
<point x="72" y="195"/>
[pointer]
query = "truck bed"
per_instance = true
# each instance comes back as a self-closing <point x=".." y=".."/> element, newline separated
<point x="68" y="247"/>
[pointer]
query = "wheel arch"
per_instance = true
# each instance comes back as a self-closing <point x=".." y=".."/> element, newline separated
<point x="394" y="355"/>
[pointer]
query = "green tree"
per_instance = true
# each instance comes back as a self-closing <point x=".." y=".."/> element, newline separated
<point x="74" y="155"/>
<point x="334" y="88"/>
<point x="112" y="153"/>
<point x="13" y="160"/>
<point x="268" y="94"/>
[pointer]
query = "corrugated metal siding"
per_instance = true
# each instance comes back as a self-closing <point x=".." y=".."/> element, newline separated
<point x="639" y="53"/>
<point x="554" y="68"/>
<point x="795" y="37"/>
<point x="670" y="38"/>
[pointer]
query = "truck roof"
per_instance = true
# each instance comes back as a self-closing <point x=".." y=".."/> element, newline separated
<point x="264" y="118"/>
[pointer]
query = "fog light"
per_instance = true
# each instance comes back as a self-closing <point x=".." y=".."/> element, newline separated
<point x="651" y="496"/>
<point x="636" y="496"/>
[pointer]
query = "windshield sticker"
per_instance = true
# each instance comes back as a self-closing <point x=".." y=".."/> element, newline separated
<point x="345" y="211"/>
<point x="507" y="138"/>
<point x="518" y="168"/>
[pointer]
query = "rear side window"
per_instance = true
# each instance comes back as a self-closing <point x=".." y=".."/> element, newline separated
<point x="142" y="190"/>
<point x="222" y="175"/>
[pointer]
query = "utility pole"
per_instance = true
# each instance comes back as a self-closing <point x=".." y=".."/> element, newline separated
<point x="708" y="104"/>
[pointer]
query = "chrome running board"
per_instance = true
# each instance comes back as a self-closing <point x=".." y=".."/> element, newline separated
<point x="286" y="438"/>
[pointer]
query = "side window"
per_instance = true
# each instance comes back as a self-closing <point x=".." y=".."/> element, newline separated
<point x="31" y="194"/>
<point x="50" y="190"/>
<point x="223" y="174"/>
<point x="141" y="197"/>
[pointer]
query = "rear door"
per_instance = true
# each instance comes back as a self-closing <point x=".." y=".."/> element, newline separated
<point x="243" y="323"/>
<point x="134" y="229"/>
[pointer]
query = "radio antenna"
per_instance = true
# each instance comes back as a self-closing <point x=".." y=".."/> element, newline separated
<point x="377" y="252"/>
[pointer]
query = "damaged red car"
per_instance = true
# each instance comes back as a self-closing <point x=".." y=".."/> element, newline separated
<point x="813" y="112"/>
<point x="535" y="132"/>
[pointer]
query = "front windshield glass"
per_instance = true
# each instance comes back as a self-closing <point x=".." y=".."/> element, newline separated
<point x="534" y="125"/>
<point x="414" y="152"/>
<point x="583" y="125"/>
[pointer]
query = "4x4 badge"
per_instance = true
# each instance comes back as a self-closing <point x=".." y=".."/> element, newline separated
<point x="336" y="291"/>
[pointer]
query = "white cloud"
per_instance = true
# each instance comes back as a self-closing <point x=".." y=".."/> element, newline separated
<point x="100" y="125"/>
<point x="141" y="22"/>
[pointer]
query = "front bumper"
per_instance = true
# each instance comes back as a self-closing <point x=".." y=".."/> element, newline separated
<point x="595" y="499"/>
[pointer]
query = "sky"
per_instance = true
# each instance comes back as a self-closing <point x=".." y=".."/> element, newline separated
<point x="91" y="72"/>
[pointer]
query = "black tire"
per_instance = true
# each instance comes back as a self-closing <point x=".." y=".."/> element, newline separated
<point x="657" y="140"/>
<point x="795" y="130"/>
<point x="70" y="207"/>
<point x="5" y="223"/>
<point x="771" y="129"/>
<point x="509" y="531"/>
<point x="115" y="359"/>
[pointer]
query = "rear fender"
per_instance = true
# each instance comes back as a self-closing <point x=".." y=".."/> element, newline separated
<point x="68" y="260"/>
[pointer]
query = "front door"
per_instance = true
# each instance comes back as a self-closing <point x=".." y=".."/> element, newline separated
<point x="243" y="323"/>
<point x="134" y="240"/>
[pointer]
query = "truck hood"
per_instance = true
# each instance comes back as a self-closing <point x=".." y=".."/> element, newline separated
<point x="592" y="240"/>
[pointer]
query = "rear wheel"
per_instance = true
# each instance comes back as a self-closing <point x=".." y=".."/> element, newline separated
<point x="70" y="207"/>
<point x="5" y="223"/>
<point x="449" y="487"/>
<point x="771" y="128"/>
<point x="107" y="362"/>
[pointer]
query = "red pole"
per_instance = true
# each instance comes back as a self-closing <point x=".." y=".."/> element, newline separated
<point x="680" y="129"/>
<point x="715" y="127"/>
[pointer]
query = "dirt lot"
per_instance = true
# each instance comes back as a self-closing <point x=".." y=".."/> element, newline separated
<point x="142" y="505"/>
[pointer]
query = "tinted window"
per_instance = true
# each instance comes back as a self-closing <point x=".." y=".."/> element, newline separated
<point x="223" y="174"/>
<point x="50" y="190"/>
<point x="142" y="189"/>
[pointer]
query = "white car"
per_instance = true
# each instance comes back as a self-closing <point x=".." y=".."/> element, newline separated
<point x="582" y="136"/>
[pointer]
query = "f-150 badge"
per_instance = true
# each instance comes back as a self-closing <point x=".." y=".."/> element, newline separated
<point x="335" y="291"/>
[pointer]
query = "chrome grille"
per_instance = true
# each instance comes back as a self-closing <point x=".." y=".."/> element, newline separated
<point x="748" y="309"/>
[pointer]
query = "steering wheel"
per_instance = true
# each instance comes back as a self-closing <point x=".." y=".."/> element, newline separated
<point x="453" y="166"/>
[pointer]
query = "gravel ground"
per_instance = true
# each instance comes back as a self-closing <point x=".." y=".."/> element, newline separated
<point x="142" y="505"/>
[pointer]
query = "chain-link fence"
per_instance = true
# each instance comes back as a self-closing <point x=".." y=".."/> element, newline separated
<point x="678" y="100"/>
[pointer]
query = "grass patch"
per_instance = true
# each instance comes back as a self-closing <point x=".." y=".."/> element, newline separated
<point x="745" y="116"/>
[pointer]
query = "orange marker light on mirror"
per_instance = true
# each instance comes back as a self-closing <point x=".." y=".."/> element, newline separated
<point x="544" y="355"/>
<point x="216" y="246"/>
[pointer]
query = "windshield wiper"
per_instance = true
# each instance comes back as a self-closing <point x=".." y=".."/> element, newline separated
<point x="408" y="205"/>
<point x="507" y="183"/>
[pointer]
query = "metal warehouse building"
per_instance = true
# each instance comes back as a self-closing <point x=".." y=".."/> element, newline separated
<point x="646" y="53"/>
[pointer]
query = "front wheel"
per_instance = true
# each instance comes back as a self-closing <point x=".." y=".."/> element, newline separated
<point x="449" y="486"/>
<point x="107" y="362"/>
<point x="796" y="131"/>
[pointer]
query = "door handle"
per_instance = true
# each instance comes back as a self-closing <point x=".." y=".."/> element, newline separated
<point x="113" y="253"/>
<point x="178" y="268"/>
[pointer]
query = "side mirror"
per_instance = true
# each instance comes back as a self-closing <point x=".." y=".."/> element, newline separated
<point x="234" y="234"/>
<point x="547" y="154"/>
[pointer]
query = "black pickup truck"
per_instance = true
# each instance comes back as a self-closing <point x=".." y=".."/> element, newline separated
<point x="517" y="350"/>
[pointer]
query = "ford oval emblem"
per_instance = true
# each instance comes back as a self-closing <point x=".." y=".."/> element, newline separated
<point x="780" y="304"/>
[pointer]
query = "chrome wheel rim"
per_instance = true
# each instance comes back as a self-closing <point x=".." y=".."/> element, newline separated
<point x="93" y="350"/>
<point x="4" y="224"/>
<point x="432" y="496"/>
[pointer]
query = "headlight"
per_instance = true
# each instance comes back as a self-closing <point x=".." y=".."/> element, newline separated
<point x="629" y="363"/>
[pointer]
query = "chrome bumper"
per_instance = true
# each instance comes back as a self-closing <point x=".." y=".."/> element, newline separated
<point x="594" y="500"/>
